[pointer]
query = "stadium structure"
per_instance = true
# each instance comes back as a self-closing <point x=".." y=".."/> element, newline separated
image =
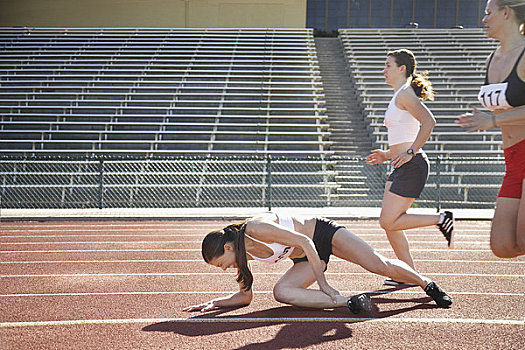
<point x="196" y="115"/>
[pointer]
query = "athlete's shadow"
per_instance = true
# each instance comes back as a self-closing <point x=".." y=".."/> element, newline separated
<point x="294" y="333"/>
<point x="420" y="303"/>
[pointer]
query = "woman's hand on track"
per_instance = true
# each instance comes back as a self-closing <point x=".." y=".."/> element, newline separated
<point x="207" y="306"/>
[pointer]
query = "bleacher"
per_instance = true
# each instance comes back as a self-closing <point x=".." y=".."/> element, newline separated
<point x="154" y="92"/>
<point x="455" y="60"/>
<point x="201" y="94"/>
<point x="194" y="95"/>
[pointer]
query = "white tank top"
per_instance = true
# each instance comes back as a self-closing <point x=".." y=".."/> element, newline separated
<point x="402" y="126"/>
<point x="280" y="251"/>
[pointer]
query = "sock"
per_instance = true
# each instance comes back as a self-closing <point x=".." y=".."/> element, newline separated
<point x="441" y="218"/>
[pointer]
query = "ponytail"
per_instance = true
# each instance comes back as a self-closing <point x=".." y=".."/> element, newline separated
<point x="422" y="86"/>
<point x="419" y="82"/>
<point x="213" y="246"/>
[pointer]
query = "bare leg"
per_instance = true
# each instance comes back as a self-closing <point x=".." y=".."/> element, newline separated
<point x="347" y="246"/>
<point x="398" y="241"/>
<point x="291" y="289"/>
<point x="520" y="229"/>
<point x="393" y="208"/>
<point x="507" y="235"/>
<point x="394" y="216"/>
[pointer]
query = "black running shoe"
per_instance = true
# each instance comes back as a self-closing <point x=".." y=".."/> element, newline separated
<point x="440" y="297"/>
<point x="447" y="228"/>
<point x="360" y="303"/>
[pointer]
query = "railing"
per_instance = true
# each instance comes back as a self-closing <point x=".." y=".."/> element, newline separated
<point x="232" y="181"/>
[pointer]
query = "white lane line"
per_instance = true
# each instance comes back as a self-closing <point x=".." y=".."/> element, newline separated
<point x="234" y="274"/>
<point x="188" y="222"/>
<point x="108" y="225"/>
<point x="105" y="261"/>
<point x="471" y="261"/>
<point x="203" y="231"/>
<point x="101" y="242"/>
<point x="348" y="292"/>
<point x="25" y="233"/>
<point x="224" y="319"/>
<point x="115" y="235"/>
<point x="200" y="241"/>
<point x="202" y="234"/>
<point x="332" y="260"/>
<point x="98" y="250"/>
<point x="198" y="250"/>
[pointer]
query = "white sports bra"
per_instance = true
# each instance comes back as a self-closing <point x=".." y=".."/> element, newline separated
<point x="280" y="251"/>
<point x="402" y="126"/>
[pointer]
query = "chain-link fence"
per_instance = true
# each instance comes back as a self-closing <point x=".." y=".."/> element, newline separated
<point x="242" y="181"/>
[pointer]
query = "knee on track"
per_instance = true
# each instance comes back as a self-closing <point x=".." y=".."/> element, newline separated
<point x="282" y="294"/>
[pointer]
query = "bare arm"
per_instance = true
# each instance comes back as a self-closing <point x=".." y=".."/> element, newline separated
<point x="513" y="116"/>
<point x="239" y="299"/>
<point x="378" y="156"/>
<point x="478" y="120"/>
<point x="409" y="101"/>
<point x="269" y="231"/>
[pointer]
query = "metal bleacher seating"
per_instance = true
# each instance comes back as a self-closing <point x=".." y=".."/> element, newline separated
<point x="202" y="93"/>
<point x="454" y="59"/>
<point x="154" y="91"/>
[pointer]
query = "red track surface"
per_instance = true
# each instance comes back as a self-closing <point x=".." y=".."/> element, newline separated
<point x="122" y="285"/>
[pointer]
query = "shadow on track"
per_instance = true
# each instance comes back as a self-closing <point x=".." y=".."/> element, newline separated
<point x="293" y="334"/>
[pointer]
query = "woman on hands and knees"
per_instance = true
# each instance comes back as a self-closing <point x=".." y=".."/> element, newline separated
<point x="504" y="94"/>
<point x="309" y="242"/>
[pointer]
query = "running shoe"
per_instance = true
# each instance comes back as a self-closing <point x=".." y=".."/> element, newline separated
<point x="440" y="297"/>
<point x="360" y="303"/>
<point x="447" y="228"/>
<point x="391" y="282"/>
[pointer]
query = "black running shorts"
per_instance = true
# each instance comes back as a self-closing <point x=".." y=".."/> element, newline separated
<point x="323" y="235"/>
<point x="410" y="178"/>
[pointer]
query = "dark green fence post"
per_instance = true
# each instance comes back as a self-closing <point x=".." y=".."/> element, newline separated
<point x="100" y="183"/>
<point x="438" y="183"/>
<point x="269" y="182"/>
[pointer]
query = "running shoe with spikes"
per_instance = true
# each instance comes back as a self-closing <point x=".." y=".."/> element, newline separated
<point x="447" y="228"/>
<point x="439" y="295"/>
<point x="360" y="303"/>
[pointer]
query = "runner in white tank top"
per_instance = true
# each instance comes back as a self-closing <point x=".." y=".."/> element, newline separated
<point x="401" y="125"/>
<point x="409" y="124"/>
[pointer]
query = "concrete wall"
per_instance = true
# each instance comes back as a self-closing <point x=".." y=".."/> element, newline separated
<point x="154" y="13"/>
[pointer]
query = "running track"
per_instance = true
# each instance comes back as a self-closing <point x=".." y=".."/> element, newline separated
<point x="122" y="285"/>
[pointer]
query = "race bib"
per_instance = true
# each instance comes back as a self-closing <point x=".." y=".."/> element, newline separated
<point x="493" y="96"/>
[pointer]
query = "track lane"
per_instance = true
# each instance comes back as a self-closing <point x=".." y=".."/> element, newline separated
<point x="491" y="291"/>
